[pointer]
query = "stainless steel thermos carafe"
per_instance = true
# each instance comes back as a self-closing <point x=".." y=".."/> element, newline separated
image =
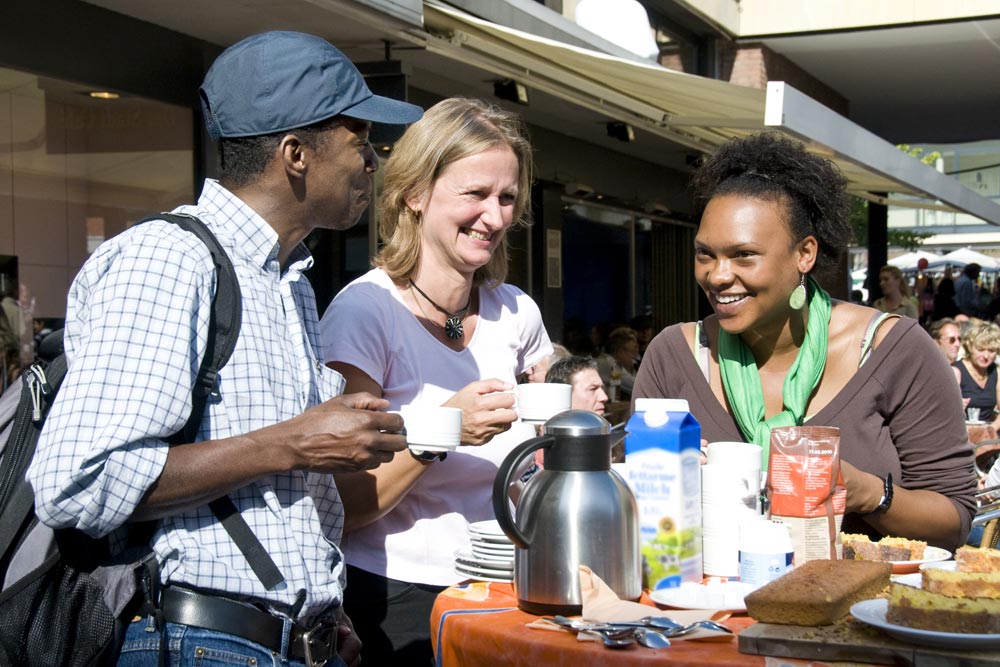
<point x="575" y="511"/>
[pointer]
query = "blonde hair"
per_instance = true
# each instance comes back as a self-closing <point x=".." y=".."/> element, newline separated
<point x="904" y="287"/>
<point x="449" y="131"/>
<point x="986" y="336"/>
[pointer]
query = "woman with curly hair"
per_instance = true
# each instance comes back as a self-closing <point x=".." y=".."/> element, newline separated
<point x="434" y="324"/>
<point x="895" y="293"/>
<point x="778" y="351"/>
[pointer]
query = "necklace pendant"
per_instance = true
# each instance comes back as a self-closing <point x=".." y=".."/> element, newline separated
<point x="453" y="328"/>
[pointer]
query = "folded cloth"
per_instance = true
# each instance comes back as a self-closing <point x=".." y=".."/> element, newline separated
<point x="602" y="605"/>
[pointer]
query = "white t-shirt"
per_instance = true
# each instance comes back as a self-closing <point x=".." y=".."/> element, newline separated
<point x="369" y="327"/>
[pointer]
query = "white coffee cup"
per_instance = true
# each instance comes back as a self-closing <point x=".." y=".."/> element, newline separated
<point x="432" y="428"/>
<point x="540" y="401"/>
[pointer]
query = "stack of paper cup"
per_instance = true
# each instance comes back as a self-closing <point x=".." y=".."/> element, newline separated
<point x="730" y="496"/>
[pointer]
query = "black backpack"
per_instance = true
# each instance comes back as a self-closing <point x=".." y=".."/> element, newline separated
<point x="64" y="601"/>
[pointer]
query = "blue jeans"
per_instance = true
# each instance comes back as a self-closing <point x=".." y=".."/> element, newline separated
<point x="188" y="646"/>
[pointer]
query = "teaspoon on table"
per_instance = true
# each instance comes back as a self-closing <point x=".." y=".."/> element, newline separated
<point x="651" y="638"/>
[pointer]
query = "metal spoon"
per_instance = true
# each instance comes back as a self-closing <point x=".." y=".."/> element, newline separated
<point x="615" y="638"/>
<point x="651" y="638"/>
<point x="688" y="629"/>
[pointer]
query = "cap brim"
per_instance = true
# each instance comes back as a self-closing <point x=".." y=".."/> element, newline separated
<point x="378" y="109"/>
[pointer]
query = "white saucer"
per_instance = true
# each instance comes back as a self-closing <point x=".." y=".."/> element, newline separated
<point x="482" y="574"/>
<point x="487" y="528"/>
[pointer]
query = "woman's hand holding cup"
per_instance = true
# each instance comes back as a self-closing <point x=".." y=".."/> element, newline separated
<point x="487" y="409"/>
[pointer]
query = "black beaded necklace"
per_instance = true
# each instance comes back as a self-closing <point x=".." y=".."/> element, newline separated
<point x="453" y="327"/>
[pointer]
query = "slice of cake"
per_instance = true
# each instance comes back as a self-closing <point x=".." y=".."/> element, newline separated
<point x="899" y="546"/>
<point x="961" y="584"/>
<point x="973" y="559"/>
<point x="917" y="608"/>
<point x="860" y="547"/>
<point x="818" y="592"/>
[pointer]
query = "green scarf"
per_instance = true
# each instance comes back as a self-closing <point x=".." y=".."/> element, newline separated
<point x="741" y="380"/>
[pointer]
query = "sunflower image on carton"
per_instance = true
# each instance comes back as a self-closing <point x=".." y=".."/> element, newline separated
<point x="663" y="468"/>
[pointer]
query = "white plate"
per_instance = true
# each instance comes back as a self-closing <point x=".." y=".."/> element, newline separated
<point x="940" y="565"/>
<point x="726" y="596"/>
<point x="978" y="422"/>
<point x="482" y="575"/>
<point x="466" y="557"/>
<point x="931" y="554"/>
<point x="873" y="613"/>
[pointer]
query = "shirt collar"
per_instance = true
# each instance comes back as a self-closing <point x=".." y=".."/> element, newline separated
<point x="251" y="234"/>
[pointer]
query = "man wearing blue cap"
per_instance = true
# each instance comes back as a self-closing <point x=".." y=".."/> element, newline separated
<point x="291" y="115"/>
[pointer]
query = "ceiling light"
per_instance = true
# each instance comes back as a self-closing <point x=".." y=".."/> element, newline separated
<point x="621" y="131"/>
<point x="104" y="95"/>
<point x="511" y="90"/>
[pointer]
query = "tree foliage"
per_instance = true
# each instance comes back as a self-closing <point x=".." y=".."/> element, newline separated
<point x="901" y="238"/>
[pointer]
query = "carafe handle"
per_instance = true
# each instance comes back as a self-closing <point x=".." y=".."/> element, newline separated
<point x="502" y="482"/>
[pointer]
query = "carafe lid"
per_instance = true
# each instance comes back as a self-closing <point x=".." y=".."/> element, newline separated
<point x="576" y="423"/>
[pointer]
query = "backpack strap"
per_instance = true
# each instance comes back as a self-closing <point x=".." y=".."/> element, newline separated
<point x="223" y="332"/>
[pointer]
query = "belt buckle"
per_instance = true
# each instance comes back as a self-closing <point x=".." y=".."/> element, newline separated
<point x="320" y="633"/>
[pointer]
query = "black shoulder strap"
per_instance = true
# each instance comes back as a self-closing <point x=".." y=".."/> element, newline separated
<point x="223" y="332"/>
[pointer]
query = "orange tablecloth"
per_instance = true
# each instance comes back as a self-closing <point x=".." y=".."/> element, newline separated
<point x="479" y="625"/>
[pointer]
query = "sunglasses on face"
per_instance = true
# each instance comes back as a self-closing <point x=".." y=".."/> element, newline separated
<point x="950" y="339"/>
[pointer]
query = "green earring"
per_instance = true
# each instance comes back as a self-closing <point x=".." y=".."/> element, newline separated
<point x="797" y="298"/>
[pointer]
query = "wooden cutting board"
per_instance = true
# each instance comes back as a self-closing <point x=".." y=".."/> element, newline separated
<point x="852" y="640"/>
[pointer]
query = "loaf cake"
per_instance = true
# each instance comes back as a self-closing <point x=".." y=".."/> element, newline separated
<point x="860" y="547"/>
<point x="818" y="592"/>
<point x="966" y="600"/>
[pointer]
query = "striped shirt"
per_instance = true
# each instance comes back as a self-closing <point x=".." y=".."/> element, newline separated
<point x="136" y="330"/>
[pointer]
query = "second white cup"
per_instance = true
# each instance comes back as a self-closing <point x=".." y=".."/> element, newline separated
<point x="432" y="428"/>
<point x="540" y="401"/>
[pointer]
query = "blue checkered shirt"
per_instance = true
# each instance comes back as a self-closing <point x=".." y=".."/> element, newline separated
<point x="136" y="329"/>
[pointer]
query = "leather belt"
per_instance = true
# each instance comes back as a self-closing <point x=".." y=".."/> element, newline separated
<point x="314" y="645"/>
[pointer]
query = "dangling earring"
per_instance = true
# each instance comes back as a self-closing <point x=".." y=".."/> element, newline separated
<point x="797" y="298"/>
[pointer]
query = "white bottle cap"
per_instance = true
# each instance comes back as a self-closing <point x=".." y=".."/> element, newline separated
<point x="661" y="405"/>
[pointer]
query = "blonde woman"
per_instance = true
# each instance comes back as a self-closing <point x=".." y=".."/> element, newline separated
<point x="895" y="293"/>
<point x="976" y="372"/>
<point x="434" y="324"/>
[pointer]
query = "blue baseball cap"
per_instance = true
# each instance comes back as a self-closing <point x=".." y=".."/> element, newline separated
<point x="280" y="80"/>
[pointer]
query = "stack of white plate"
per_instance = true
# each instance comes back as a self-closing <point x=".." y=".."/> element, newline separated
<point x="489" y="556"/>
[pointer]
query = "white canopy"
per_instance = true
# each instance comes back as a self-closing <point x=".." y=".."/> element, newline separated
<point x="908" y="262"/>
<point x="964" y="256"/>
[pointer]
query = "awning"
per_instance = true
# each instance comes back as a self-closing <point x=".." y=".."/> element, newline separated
<point x="693" y="111"/>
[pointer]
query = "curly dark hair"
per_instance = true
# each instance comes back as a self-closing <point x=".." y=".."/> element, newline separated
<point x="772" y="167"/>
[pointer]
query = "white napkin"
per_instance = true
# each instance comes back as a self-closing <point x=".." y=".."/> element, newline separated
<point x="602" y="605"/>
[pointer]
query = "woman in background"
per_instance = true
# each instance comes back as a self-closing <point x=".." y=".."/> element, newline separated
<point x="895" y="293"/>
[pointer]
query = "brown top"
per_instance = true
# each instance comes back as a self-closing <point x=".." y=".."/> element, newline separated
<point x="895" y="414"/>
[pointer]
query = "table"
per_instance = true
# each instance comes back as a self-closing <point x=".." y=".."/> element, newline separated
<point x="479" y="625"/>
<point x="987" y="445"/>
<point x="980" y="432"/>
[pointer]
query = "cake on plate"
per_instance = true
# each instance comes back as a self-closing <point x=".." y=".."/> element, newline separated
<point x="966" y="600"/>
<point x="860" y="547"/>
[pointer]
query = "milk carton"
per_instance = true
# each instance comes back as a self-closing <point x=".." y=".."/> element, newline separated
<point x="662" y="465"/>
